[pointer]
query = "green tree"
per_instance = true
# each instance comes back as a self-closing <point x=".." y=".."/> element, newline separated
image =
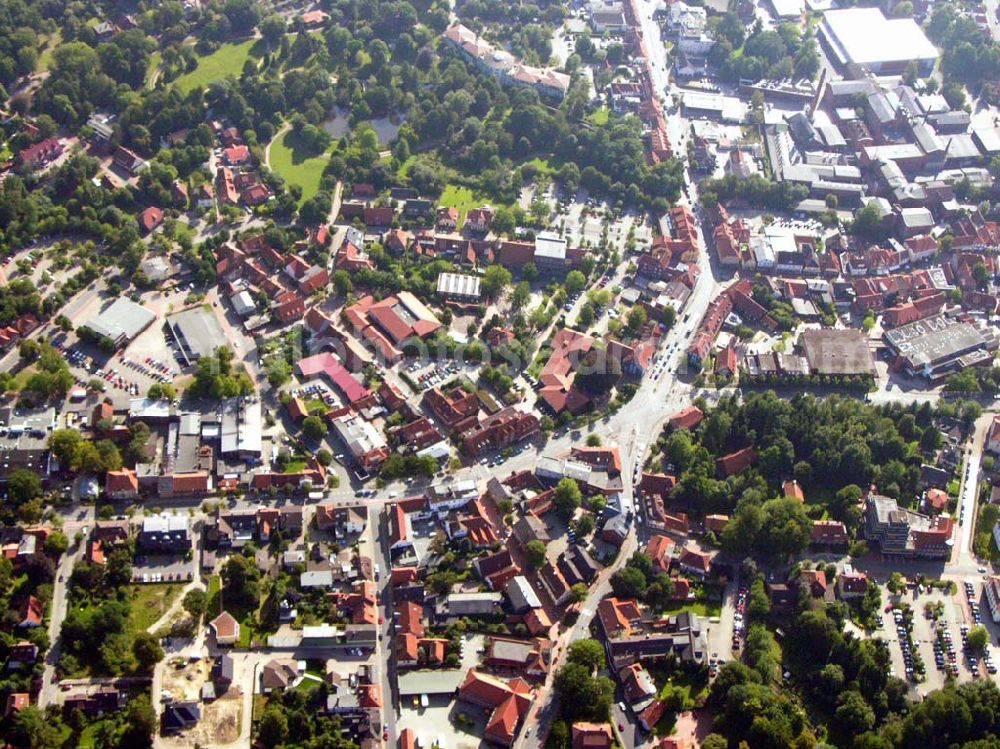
<point x="23" y="485"/>
<point x="194" y="602"/>
<point x="758" y="602"/>
<point x="575" y="281"/>
<point x="854" y="715"/>
<point x="342" y="283"/>
<point x="581" y="696"/>
<point x="567" y="497"/>
<point x="534" y="551"/>
<point x="147" y="651"/>
<point x="589" y="653"/>
<point x="241" y="580"/>
<point x="629" y="582"/>
<point x="273" y="728"/>
<point x="313" y="427"/>
<point x="978" y="638"/>
<point x="56" y="543"/>
<point x="31" y="727"/>
<point x="140" y="724"/>
<point x="495" y="280"/>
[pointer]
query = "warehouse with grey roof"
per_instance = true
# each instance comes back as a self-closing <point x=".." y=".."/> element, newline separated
<point x="122" y="321"/>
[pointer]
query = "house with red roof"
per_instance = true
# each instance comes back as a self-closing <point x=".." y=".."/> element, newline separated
<point x="479" y="219"/>
<point x="352" y="259"/>
<point x="695" y="562"/>
<point x="502" y="429"/>
<point x="607" y="459"/>
<point x="289" y="306"/>
<point x="121" y="484"/>
<point x="396" y="241"/>
<point x="828" y="533"/>
<point x="236" y="155"/>
<point x="935" y="500"/>
<point x="16" y="702"/>
<point x="558" y="391"/>
<point x="31" y="613"/>
<point x="993" y="438"/>
<point x="657" y="484"/>
<point x="726" y="362"/>
<point x="852" y="585"/>
<point x="327" y="365"/>
<point x="447" y="218"/>
<point x="38" y="154"/>
<point x="618" y="616"/>
<point x="150" y="219"/>
<point x="793" y="490"/>
<point x="592" y="736"/>
<point x="507" y="703"/>
<point x="378" y="215"/>
<point x="736" y="462"/>
<point x="456" y="407"/>
<point x="716" y="523"/>
<point x="660" y="550"/>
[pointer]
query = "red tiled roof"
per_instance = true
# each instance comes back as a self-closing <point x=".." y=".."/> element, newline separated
<point x="694" y="559"/>
<point x="687" y="418"/>
<point x="729" y="465"/>
<point x="328" y="365"/>
<point x="124" y="480"/>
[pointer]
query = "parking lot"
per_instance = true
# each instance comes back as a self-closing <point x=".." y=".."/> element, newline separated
<point x="162" y="569"/>
<point x="582" y="220"/>
<point x="930" y="637"/>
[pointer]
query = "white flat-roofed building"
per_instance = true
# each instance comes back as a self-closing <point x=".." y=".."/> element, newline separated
<point x="550" y="252"/>
<point x="241" y="432"/>
<point x="458" y="286"/>
<point x="865" y="37"/>
<point x="243" y="303"/>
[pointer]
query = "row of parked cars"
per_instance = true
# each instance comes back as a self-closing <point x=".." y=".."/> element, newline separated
<point x="739" y="622"/>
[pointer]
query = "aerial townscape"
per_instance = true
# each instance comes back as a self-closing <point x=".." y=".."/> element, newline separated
<point x="463" y="374"/>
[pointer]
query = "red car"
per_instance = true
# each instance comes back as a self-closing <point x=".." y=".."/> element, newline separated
<point x="385" y="735"/>
<point x="380" y="620"/>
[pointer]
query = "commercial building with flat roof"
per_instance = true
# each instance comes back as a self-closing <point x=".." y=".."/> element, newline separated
<point x="122" y="321"/>
<point x="865" y="37"/>
<point x="196" y="332"/>
<point x="937" y="346"/>
<point x="242" y="431"/>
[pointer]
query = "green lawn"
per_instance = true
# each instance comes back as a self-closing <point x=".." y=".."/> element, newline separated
<point x="296" y="165"/>
<point x="45" y="58"/>
<point x="599" y="117"/>
<point x="226" y="60"/>
<point x="701" y="608"/>
<point x="213" y="601"/>
<point x="154" y="64"/>
<point x="462" y="198"/>
<point x="88" y="737"/>
<point x="404" y="168"/>
<point x="150" y="601"/>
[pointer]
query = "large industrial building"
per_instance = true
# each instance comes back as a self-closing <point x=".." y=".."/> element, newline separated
<point x="196" y="332"/>
<point x="122" y="321"/>
<point x="938" y="346"/>
<point x="864" y="37"/>
<point x="837" y="352"/>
